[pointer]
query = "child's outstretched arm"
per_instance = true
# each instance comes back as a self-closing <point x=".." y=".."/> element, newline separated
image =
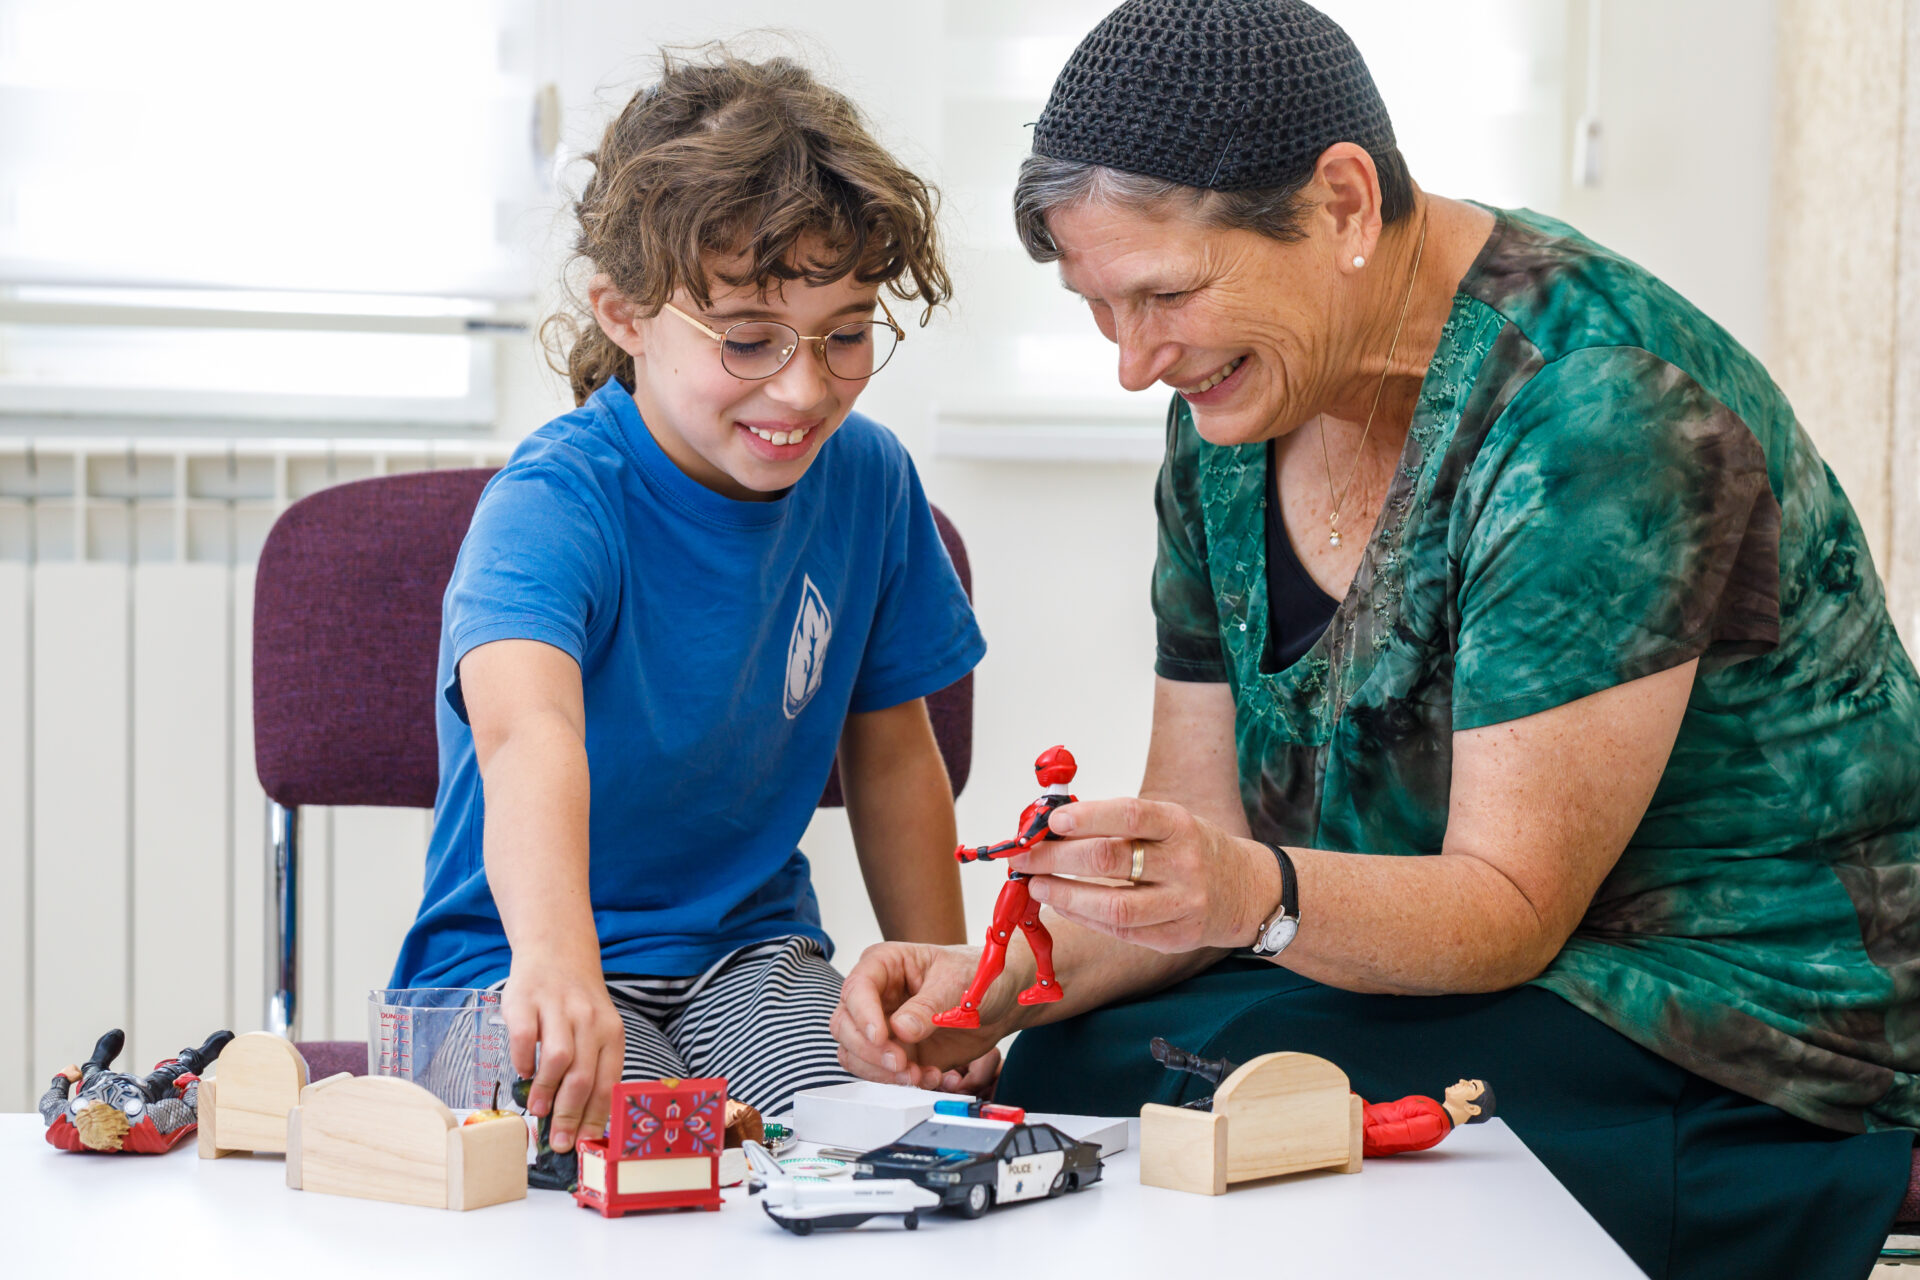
<point x="900" y="806"/>
<point x="524" y="702"/>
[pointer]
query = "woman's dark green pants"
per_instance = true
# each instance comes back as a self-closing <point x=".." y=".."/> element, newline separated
<point x="1692" y="1179"/>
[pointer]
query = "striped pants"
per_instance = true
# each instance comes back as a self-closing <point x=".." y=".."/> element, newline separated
<point x="757" y="1017"/>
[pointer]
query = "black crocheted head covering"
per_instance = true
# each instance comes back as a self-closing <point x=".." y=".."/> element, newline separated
<point x="1221" y="94"/>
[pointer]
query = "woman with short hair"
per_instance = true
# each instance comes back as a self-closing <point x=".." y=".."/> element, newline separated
<point x="1516" y="651"/>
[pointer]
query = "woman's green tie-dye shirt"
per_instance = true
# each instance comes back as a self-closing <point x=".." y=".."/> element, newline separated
<point x="1601" y="484"/>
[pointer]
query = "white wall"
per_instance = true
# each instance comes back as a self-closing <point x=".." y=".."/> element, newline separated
<point x="1842" y="268"/>
<point x="1686" y="94"/>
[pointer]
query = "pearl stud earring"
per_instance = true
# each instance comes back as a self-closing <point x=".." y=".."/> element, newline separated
<point x="1358" y="262"/>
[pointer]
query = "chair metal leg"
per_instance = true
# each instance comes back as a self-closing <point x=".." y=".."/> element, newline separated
<point x="283" y="921"/>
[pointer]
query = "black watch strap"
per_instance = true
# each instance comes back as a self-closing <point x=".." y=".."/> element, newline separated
<point x="1278" y="930"/>
<point x="1289" y="883"/>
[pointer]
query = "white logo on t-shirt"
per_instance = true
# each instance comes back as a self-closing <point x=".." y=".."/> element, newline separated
<point x="807" y="650"/>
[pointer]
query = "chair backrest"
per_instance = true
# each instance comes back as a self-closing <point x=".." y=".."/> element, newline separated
<point x="346" y="640"/>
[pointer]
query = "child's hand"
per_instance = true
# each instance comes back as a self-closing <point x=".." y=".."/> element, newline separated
<point x="884" y="1024"/>
<point x="565" y="1010"/>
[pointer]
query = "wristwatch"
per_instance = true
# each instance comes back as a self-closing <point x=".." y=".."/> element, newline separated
<point x="1277" y="932"/>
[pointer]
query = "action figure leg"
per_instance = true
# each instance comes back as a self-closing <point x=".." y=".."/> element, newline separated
<point x="1008" y="909"/>
<point x="1046" y="987"/>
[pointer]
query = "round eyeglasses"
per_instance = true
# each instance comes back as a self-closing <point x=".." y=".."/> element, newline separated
<point x="755" y="349"/>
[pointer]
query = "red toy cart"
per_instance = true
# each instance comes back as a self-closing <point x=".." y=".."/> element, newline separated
<point x="662" y="1149"/>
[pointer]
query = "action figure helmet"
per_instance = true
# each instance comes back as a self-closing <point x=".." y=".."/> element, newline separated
<point x="1055" y="767"/>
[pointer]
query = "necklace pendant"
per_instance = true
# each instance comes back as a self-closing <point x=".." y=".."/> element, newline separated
<point x="1334" y="538"/>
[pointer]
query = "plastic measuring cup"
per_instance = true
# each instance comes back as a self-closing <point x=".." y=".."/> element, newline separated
<point x="450" y="1040"/>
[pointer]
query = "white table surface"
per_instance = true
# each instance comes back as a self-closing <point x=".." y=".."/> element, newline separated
<point x="1478" y="1206"/>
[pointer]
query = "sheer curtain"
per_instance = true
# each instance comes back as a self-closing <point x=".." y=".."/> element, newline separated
<point x="223" y="208"/>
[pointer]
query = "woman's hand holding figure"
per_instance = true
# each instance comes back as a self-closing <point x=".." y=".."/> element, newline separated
<point x="884" y="1024"/>
<point x="1199" y="887"/>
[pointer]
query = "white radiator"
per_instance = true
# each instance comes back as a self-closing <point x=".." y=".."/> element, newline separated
<point x="133" y="886"/>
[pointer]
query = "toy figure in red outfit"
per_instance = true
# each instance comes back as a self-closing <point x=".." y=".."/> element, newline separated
<point x="93" y="1109"/>
<point x="1055" y="769"/>
<point x="1416" y="1123"/>
<point x="1387" y="1128"/>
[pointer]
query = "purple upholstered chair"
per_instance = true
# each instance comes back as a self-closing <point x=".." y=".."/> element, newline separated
<point x="346" y="639"/>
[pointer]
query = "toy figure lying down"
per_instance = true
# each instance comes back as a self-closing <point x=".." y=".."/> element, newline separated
<point x="90" y="1108"/>
<point x="1387" y="1128"/>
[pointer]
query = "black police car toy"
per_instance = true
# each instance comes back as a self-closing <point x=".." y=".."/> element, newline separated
<point x="976" y="1155"/>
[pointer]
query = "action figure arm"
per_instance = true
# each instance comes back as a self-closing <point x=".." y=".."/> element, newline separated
<point x="986" y="852"/>
<point x="1034" y="829"/>
<point x="56" y="1095"/>
<point x="1409" y="1124"/>
<point x="169" y="1114"/>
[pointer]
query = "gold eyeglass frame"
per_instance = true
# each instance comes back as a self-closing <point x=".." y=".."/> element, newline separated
<point x="818" y="339"/>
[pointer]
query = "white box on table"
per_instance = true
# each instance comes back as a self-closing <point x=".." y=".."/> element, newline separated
<point x="866" y="1114"/>
<point x="1112" y="1134"/>
<point x="862" y="1115"/>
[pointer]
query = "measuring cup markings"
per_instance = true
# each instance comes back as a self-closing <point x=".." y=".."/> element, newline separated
<point x="451" y="1041"/>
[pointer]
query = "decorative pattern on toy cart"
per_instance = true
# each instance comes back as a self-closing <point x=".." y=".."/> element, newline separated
<point x="662" y="1149"/>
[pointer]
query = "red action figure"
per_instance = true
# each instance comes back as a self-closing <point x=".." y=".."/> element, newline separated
<point x="1416" y="1123"/>
<point x="1055" y="769"/>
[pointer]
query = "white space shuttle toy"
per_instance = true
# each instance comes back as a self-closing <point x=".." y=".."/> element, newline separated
<point x="799" y="1206"/>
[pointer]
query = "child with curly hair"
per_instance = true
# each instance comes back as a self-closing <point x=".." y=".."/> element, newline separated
<point x="678" y="602"/>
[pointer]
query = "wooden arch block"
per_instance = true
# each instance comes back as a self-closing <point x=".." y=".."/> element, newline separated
<point x="380" y="1138"/>
<point x="244" y="1103"/>
<point x="1280" y="1113"/>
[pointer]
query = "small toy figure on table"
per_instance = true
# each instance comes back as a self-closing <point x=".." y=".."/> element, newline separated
<point x="1412" y="1123"/>
<point x="1212" y="1070"/>
<point x="780" y="1137"/>
<point x="551" y="1170"/>
<point x="89" y="1108"/>
<point x="744" y="1124"/>
<point x="490" y="1113"/>
<point x="1055" y="769"/>
<point x="1416" y="1123"/>
<point x="662" y="1149"/>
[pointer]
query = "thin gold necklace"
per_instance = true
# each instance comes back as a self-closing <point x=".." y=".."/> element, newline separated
<point x="1340" y="498"/>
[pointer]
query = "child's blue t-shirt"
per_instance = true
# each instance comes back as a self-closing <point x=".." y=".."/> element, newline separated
<point x="721" y="645"/>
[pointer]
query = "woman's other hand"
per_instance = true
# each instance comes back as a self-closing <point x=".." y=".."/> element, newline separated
<point x="1198" y="887"/>
<point x="884" y="1024"/>
<point x="565" y="1011"/>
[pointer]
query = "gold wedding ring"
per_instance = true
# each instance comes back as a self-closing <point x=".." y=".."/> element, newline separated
<point x="1139" y="863"/>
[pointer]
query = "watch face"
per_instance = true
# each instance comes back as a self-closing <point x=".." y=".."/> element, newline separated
<point x="1279" y="934"/>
